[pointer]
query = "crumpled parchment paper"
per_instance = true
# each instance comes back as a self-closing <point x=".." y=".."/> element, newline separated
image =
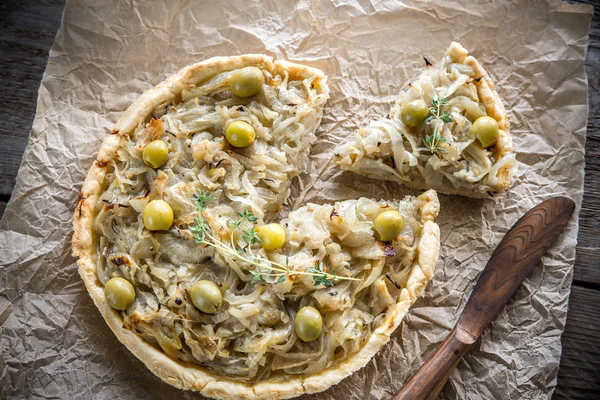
<point x="54" y="343"/>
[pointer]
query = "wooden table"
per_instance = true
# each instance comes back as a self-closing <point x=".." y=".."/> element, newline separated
<point x="27" y="30"/>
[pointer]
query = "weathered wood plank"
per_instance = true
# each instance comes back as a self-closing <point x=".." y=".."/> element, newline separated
<point x="11" y="151"/>
<point x="578" y="376"/>
<point x="27" y="30"/>
<point x="587" y="267"/>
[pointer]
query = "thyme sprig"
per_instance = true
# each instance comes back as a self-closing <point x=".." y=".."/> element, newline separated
<point x="321" y="277"/>
<point x="432" y="142"/>
<point x="437" y="117"/>
<point x="264" y="269"/>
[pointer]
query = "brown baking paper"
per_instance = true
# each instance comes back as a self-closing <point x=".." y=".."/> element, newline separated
<point x="54" y="341"/>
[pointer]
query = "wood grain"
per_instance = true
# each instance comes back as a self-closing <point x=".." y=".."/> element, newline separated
<point x="519" y="251"/>
<point x="27" y="30"/>
<point x="586" y="265"/>
<point x="517" y="254"/>
<point x="578" y="376"/>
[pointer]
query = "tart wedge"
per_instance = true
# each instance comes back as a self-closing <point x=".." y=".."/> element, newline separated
<point x="447" y="131"/>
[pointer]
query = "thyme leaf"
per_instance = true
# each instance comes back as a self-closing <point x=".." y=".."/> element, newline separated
<point x="251" y="236"/>
<point x="256" y="276"/>
<point x="446" y="117"/>
<point x="433" y="141"/>
<point x="202" y="199"/>
<point x="247" y="215"/>
<point x="321" y="277"/>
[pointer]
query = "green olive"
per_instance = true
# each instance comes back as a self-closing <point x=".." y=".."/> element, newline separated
<point x="240" y="134"/>
<point x="119" y="293"/>
<point x="155" y="154"/>
<point x="272" y="236"/>
<point x="414" y="112"/>
<point x="247" y="81"/>
<point x="308" y="324"/>
<point x="158" y="216"/>
<point x="388" y="225"/>
<point x="206" y="296"/>
<point x="485" y="129"/>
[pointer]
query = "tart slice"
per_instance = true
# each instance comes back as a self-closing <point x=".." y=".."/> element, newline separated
<point x="447" y="131"/>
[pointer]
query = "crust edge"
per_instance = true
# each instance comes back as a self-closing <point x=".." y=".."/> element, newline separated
<point x="495" y="109"/>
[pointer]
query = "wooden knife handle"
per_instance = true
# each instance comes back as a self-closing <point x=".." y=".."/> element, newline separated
<point x="516" y="255"/>
<point x="428" y="381"/>
<point x="519" y="251"/>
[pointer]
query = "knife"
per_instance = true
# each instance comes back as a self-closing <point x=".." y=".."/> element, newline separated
<point x="518" y="252"/>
